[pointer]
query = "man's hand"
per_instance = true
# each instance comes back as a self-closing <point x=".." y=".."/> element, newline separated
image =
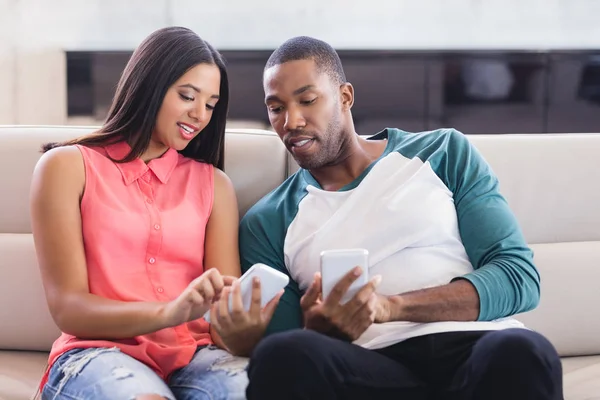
<point x="383" y="309"/>
<point x="346" y="321"/>
<point x="241" y="330"/>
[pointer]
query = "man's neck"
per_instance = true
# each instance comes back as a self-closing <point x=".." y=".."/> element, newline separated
<point x="350" y="165"/>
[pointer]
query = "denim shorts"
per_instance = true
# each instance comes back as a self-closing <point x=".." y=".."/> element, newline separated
<point x="107" y="373"/>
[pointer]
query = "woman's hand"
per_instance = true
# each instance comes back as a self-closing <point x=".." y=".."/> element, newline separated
<point x="197" y="298"/>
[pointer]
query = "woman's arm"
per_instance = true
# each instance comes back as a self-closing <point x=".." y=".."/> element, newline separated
<point x="221" y="244"/>
<point x="57" y="186"/>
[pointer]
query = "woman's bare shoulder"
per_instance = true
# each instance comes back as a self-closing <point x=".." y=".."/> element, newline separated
<point x="61" y="166"/>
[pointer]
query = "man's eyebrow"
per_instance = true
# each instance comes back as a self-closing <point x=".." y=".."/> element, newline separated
<point x="295" y="93"/>
<point x="271" y="97"/>
<point x="197" y="90"/>
<point x="303" y="89"/>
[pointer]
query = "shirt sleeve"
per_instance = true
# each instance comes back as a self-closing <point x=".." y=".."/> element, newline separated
<point x="262" y="233"/>
<point x="505" y="276"/>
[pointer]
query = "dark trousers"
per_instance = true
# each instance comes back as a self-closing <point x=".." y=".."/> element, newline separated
<point x="509" y="364"/>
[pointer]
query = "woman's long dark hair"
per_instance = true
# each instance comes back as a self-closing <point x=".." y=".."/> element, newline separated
<point x="159" y="61"/>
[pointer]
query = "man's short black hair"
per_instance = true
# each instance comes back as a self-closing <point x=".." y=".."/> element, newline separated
<point x="325" y="57"/>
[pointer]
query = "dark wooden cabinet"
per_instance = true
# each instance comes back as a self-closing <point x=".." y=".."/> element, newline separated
<point x="473" y="91"/>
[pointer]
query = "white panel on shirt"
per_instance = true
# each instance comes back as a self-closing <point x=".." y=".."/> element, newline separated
<point x="405" y="216"/>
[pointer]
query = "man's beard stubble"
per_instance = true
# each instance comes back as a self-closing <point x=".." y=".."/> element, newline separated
<point x="330" y="148"/>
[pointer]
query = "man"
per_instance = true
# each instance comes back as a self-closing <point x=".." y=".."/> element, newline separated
<point x="453" y="263"/>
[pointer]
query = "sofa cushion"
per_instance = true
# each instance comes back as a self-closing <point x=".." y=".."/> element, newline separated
<point x="26" y="321"/>
<point x="20" y="373"/>
<point x="581" y="378"/>
<point x="567" y="313"/>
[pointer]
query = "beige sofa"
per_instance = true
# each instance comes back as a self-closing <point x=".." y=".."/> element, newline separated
<point x="552" y="183"/>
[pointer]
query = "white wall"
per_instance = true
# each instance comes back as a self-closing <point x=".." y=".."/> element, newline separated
<point x="35" y="33"/>
<point x="7" y="64"/>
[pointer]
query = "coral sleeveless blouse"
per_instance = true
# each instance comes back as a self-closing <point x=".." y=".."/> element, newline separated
<point x="144" y="230"/>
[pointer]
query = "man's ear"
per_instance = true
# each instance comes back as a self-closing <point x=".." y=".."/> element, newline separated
<point x="347" y="96"/>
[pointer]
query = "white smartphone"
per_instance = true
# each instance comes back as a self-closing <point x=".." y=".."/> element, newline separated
<point x="271" y="282"/>
<point x="337" y="263"/>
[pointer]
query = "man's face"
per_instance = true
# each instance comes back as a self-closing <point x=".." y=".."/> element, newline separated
<point x="304" y="108"/>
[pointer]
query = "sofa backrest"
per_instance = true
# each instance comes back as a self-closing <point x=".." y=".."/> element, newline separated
<point x="550" y="181"/>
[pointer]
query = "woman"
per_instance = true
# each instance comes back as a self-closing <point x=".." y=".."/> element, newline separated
<point x="135" y="227"/>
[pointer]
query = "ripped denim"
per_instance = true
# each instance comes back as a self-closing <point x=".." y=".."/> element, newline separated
<point x="106" y="373"/>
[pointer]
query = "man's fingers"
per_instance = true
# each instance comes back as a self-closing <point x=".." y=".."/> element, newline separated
<point x="361" y="298"/>
<point x="375" y="281"/>
<point x="317" y="279"/>
<point x="312" y="293"/>
<point x="372" y="305"/>
<point x="339" y="289"/>
<point x="360" y="321"/>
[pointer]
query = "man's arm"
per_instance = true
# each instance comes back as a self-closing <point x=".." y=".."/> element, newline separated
<point x="261" y="241"/>
<point x="505" y="281"/>
<point x="457" y="301"/>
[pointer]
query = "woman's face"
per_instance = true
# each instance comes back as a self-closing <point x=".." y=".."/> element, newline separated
<point x="186" y="109"/>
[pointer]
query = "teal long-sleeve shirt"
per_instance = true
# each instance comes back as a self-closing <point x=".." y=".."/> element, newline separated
<point x="503" y="271"/>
